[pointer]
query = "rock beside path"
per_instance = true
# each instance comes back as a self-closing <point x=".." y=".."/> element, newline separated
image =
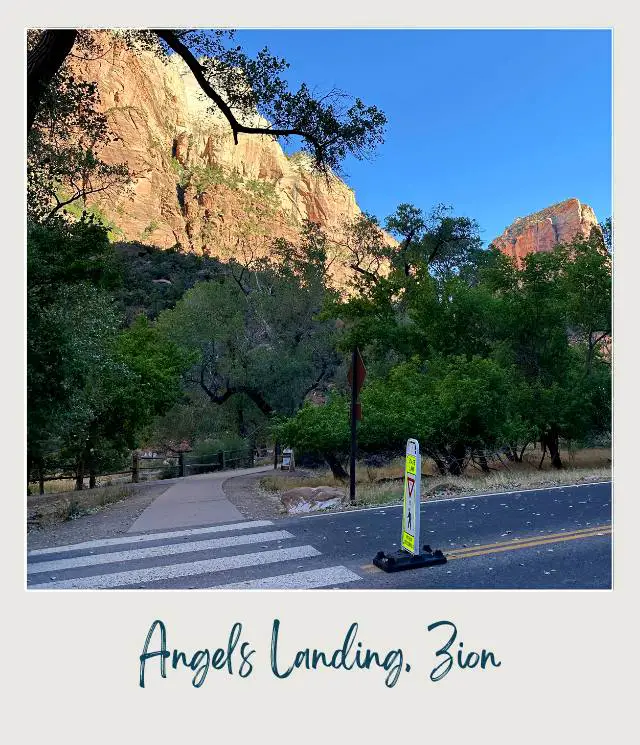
<point x="311" y="499"/>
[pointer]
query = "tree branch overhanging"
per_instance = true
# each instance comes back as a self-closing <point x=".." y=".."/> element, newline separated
<point x="43" y="62"/>
<point x="172" y="40"/>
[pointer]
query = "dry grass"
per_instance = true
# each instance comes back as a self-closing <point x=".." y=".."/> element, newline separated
<point x="60" y="486"/>
<point x="47" y="510"/>
<point x="384" y="485"/>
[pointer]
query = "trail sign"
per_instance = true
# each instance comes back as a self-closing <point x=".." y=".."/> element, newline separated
<point x="360" y="372"/>
<point x="411" y="502"/>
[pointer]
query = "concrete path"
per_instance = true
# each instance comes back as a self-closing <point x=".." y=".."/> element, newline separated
<point x="193" y="500"/>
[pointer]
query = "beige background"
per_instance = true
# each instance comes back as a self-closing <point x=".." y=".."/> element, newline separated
<point x="70" y="659"/>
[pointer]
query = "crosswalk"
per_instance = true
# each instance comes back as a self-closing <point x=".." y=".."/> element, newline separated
<point x="246" y="555"/>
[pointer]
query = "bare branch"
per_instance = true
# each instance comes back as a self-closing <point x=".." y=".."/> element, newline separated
<point x="172" y="40"/>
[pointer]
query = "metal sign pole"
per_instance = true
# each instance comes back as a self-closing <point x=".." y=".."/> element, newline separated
<point x="354" y="442"/>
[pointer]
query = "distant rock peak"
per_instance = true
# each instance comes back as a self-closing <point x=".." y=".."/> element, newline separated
<point x="542" y="230"/>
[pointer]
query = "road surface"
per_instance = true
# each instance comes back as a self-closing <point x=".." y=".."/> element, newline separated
<point x="546" y="538"/>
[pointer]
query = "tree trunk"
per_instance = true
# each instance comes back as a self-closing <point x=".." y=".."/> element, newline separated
<point x="439" y="461"/>
<point x="543" y="445"/>
<point x="40" y="477"/>
<point x="29" y="467"/>
<point x="456" y="459"/>
<point x="509" y="452"/>
<point x="551" y="441"/>
<point x="482" y="460"/>
<point x="43" y="62"/>
<point x="92" y="478"/>
<point x="79" y="475"/>
<point x="336" y="467"/>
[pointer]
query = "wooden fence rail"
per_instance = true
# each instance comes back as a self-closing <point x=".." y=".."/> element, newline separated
<point x="146" y="468"/>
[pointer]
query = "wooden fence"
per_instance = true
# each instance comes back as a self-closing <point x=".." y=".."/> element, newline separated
<point x="143" y="468"/>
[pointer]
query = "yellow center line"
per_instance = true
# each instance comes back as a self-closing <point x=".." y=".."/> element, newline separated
<point x="492" y="548"/>
<point x="515" y="543"/>
<point x="515" y="539"/>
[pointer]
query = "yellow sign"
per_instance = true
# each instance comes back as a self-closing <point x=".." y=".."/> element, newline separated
<point x="411" y="464"/>
<point x="408" y="542"/>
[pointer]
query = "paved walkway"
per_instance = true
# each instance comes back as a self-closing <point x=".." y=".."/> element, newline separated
<point x="193" y="500"/>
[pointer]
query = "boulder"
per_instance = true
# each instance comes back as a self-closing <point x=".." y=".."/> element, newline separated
<point x="312" y="499"/>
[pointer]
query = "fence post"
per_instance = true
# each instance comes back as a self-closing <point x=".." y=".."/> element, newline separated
<point x="135" y="468"/>
<point x="181" y="464"/>
<point x="223" y="461"/>
<point x="275" y="456"/>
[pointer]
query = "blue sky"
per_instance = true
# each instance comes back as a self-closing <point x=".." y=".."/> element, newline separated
<point x="498" y="124"/>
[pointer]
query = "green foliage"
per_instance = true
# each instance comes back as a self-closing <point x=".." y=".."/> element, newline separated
<point x="489" y="353"/>
<point x="317" y="428"/>
<point x="444" y="404"/>
<point x="255" y="333"/>
<point x="155" y="279"/>
<point x="157" y="362"/>
<point x="91" y="387"/>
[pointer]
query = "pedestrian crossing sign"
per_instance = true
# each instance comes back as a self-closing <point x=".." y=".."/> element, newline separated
<point x="411" y="500"/>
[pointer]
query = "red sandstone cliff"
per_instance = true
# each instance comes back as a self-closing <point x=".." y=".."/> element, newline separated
<point x="192" y="186"/>
<point x="543" y="230"/>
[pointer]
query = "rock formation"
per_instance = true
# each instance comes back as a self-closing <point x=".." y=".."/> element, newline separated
<point x="543" y="230"/>
<point x="193" y="187"/>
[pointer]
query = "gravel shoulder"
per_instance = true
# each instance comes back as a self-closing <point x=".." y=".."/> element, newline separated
<point x="110" y="521"/>
<point x="244" y="492"/>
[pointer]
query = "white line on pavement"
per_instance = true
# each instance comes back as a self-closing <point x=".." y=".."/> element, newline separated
<point x="330" y="513"/>
<point x="101" y="543"/>
<point x="151" y="552"/>
<point x="297" y="581"/>
<point x="173" y="571"/>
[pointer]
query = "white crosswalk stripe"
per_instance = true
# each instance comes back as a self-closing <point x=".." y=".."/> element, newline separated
<point x="298" y="580"/>
<point x="171" y="549"/>
<point x="147" y="537"/>
<point x="176" y="556"/>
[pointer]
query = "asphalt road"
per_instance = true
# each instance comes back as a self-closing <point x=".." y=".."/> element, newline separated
<point x="546" y="538"/>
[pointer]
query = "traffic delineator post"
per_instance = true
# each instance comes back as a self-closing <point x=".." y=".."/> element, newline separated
<point x="410" y="556"/>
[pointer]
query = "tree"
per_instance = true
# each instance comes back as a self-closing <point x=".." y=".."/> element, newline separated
<point x="546" y="324"/>
<point x="63" y="150"/>
<point x="320" y="429"/>
<point x="542" y="329"/>
<point x="66" y="135"/>
<point x="586" y="282"/>
<point x="92" y="388"/>
<point x="331" y="126"/>
<point x="255" y="330"/>
<point x="70" y="271"/>
<point x="439" y="240"/>
<point x="459" y="408"/>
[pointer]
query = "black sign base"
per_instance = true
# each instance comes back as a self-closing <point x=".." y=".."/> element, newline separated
<point x="398" y="561"/>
